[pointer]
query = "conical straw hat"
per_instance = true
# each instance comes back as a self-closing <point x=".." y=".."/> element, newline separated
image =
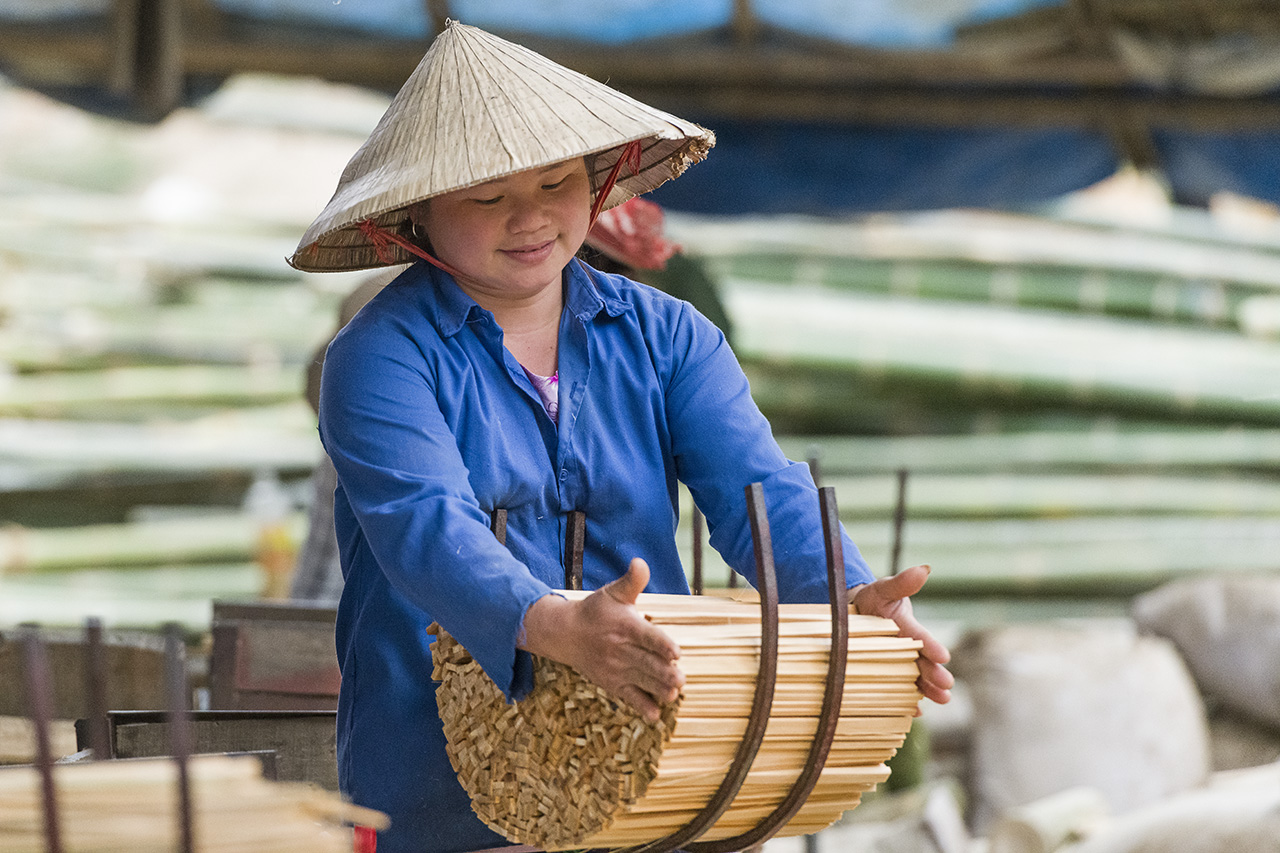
<point x="476" y="108"/>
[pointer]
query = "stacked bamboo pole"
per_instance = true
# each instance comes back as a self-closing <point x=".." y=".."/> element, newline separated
<point x="570" y="766"/>
<point x="133" y="805"/>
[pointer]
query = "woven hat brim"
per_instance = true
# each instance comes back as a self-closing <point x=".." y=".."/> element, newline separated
<point x="479" y="108"/>
<point x="348" y="247"/>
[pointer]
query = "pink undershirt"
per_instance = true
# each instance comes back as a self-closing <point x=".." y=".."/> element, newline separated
<point x="548" y="388"/>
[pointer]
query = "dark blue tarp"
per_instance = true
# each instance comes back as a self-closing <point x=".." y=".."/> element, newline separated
<point x="779" y="167"/>
<point x="1199" y="164"/>
<point x="832" y="169"/>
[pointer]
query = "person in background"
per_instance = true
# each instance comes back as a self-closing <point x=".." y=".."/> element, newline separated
<point x="630" y="240"/>
<point x="317" y="576"/>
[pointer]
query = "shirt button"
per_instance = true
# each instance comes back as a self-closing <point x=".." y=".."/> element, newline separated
<point x="564" y="475"/>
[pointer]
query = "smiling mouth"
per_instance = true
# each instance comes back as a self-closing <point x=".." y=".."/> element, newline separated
<point x="529" y="251"/>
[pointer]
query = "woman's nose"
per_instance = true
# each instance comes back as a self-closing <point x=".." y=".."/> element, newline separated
<point x="527" y="215"/>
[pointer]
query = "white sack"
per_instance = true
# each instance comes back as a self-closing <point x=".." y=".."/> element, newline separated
<point x="1228" y="631"/>
<point x="1080" y="704"/>
<point x="1239" y="816"/>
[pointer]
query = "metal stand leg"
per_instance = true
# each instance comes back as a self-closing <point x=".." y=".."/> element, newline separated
<point x="697" y="551"/>
<point x="40" y="707"/>
<point x="95" y="675"/>
<point x="180" y="739"/>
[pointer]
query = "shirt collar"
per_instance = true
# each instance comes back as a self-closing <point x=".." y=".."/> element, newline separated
<point x="448" y="306"/>
<point x="589" y="292"/>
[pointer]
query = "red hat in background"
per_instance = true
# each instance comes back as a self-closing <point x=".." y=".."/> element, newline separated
<point x="631" y="234"/>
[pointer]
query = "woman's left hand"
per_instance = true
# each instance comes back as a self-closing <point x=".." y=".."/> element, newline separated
<point x="890" y="598"/>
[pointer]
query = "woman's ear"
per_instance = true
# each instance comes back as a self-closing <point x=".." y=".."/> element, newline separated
<point x="418" y="223"/>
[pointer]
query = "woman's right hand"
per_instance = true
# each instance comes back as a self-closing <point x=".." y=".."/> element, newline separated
<point x="605" y="638"/>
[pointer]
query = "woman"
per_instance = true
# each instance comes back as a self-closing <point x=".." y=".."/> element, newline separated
<point x="504" y="374"/>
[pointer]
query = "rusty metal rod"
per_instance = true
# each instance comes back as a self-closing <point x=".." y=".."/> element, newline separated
<point x="575" y="538"/>
<point x="815" y="466"/>
<point x="498" y="524"/>
<point x="180" y="737"/>
<point x="95" y="678"/>
<point x="899" y="521"/>
<point x="697" y="551"/>
<point x="40" y="707"/>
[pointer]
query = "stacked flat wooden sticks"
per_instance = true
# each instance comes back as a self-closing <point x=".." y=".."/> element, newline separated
<point x="571" y="766"/>
<point x="185" y="803"/>
<point x="131" y="805"/>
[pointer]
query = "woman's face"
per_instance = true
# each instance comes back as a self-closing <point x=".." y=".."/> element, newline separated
<point x="510" y="238"/>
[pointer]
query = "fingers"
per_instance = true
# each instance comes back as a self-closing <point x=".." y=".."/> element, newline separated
<point x="641" y="701"/>
<point x="660" y="679"/>
<point x="642" y="679"/>
<point x="931" y="649"/>
<point x="627" y="589"/>
<point x="655" y="641"/>
<point x="884" y="591"/>
<point x="891" y="598"/>
<point x="935" y="682"/>
<point x="647" y="659"/>
<point x="650" y="683"/>
<point x="617" y="648"/>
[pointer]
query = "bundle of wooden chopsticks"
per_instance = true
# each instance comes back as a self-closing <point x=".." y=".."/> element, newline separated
<point x="571" y="766"/>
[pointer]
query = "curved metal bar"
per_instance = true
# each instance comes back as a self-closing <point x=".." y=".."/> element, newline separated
<point x="832" y="696"/>
<point x="762" y="702"/>
<point x="899" y="521"/>
<point x="498" y="524"/>
<point x="40" y="704"/>
<point x="180" y="737"/>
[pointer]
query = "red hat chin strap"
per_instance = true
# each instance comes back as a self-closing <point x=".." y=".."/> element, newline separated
<point x="382" y="240"/>
<point x="631" y="156"/>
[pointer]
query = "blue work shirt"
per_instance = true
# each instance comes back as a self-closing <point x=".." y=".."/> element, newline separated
<point x="432" y="424"/>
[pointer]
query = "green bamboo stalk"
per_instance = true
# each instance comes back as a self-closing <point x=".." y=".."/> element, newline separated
<point x="1083" y="557"/>
<point x="1191" y="248"/>
<point x="987" y="496"/>
<point x="1167" y="450"/>
<point x="213" y="320"/>
<point x="278" y="437"/>
<point x="203" y="539"/>
<point x="1117" y="292"/>
<point x="1077" y="362"/>
<point x="63" y="393"/>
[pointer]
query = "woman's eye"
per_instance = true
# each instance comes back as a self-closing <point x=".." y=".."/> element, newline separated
<point x="489" y="201"/>
<point x="556" y="185"/>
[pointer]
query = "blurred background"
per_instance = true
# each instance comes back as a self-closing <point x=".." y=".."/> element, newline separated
<point x="1007" y="272"/>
